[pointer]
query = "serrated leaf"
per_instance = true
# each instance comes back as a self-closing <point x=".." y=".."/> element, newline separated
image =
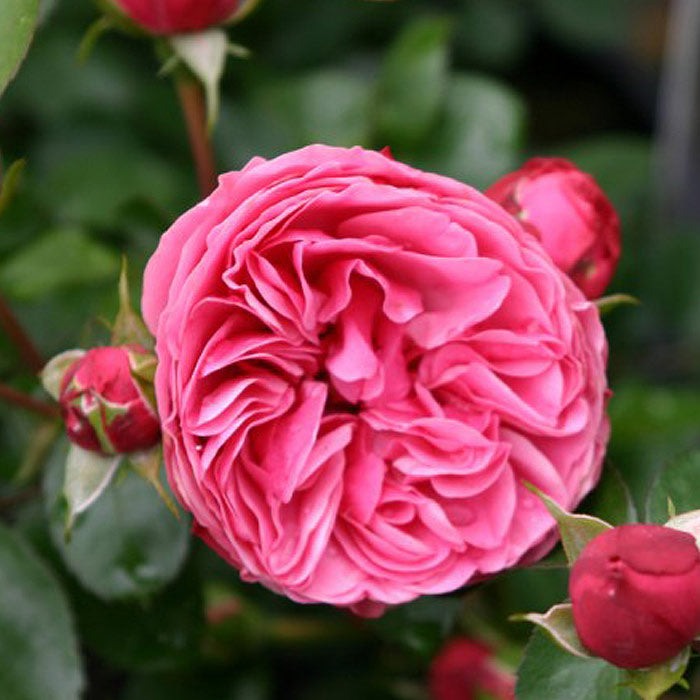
<point x="651" y="683"/>
<point x="412" y="82"/>
<point x="38" y="648"/>
<point x="19" y="18"/>
<point x="126" y="545"/>
<point x="204" y="53"/>
<point x="576" y="530"/>
<point x="54" y="370"/>
<point x="548" y="672"/>
<point x="607" y="304"/>
<point x="9" y="182"/>
<point x="128" y="327"/>
<point x="88" y="474"/>
<point x="558" y="622"/>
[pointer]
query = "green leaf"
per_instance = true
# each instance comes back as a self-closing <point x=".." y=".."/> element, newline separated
<point x="558" y="622"/>
<point x="163" y="632"/>
<point x="576" y="530"/>
<point x="652" y="682"/>
<point x="33" y="272"/>
<point x="329" y="106"/>
<point x="38" y="649"/>
<point x="478" y="137"/>
<point x="204" y="53"/>
<point x="126" y="545"/>
<point x="88" y="474"/>
<point x="549" y="672"/>
<point x="19" y="18"/>
<point x="412" y="82"/>
<point x="678" y="481"/>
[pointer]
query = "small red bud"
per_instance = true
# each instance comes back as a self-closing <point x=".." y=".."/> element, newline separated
<point x="103" y="405"/>
<point x="635" y="594"/>
<point x="574" y="220"/>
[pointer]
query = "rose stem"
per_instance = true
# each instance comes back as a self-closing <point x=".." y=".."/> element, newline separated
<point x="43" y="408"/>
<point x="19" y="337"/>
<point x="194" y="110"/>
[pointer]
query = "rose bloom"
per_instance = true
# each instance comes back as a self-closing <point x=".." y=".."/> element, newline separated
<point x="576" y="223"/>
<point x="173" y="16"/>
<point x="359" y="365"/>
<point x="635" y="594"/>
<point x="103" y="406"/>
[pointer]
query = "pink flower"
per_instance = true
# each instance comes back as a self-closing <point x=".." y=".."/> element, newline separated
<point x="573" y="218"/>
<point x="359" y="365"/>
<point x="103" y="406"/>
<point x="174" y="16"/>
<point x="635" y="594"/>
<point x="463" y="668"/>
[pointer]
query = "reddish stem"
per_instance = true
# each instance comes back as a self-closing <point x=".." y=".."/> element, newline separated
<point x="195" y="112"/>
<point x="19" y="338"/>
<point x="43" y="408"/>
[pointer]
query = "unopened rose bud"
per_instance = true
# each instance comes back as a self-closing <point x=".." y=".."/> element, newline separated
<point x="176" y="16"/>
<point x="104" y="406"/>
<point x="635" y="594"/>
<point x="574" y="220"/>
<point x="464" y="669"/>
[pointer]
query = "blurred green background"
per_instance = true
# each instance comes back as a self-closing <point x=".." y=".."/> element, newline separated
<point x="468" y="88"/>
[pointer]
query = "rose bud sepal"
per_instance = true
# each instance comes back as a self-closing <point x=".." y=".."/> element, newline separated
<point x="87" y="476"/>
<point x="147" y="465"/>
<point x="576" y="530"/>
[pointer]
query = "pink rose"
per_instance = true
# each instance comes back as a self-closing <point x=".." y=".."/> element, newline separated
<point x="573" y="218"/>
<point x="174" y="16"/>
<point x="103" y="405"/>
<point x="359" y="365"/>
<point x="635" y="594"/>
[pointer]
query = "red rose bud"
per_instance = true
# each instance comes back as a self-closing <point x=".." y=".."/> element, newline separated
<point x="574" y="220"/>
<point x="465" y="668"/>
<point x="103" y="405"/>
<point x="635" y="594"/>
<point x="175" y="16"/>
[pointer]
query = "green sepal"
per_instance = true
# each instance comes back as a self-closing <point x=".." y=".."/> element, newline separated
<point x="558" y="622"/>
<point x="9" y="182"/>
<point x="651" y="683"/>
<point x="204" y="54"/>
<point x="55" y="369"/>
<point x="128" y="326"/>
<point x="147" y="465"/>
<point x="576" y="530"/>
<point x="93" y="34"/>
<point x="87" y="476"/>
<point x="612" y="301"/>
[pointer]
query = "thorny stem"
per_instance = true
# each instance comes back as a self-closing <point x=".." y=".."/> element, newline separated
<point x="42" y="408"/>
<point x="19" y="338"/>
<point x="191" y="97"/>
